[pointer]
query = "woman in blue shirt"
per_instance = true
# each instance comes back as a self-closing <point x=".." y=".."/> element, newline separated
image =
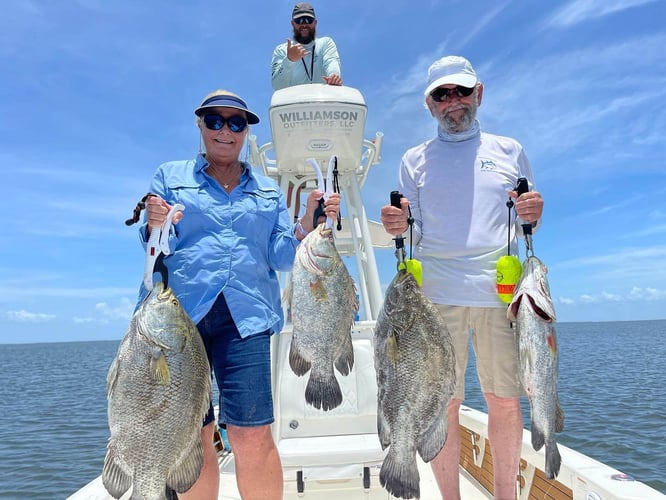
<point x="233" y="236"/>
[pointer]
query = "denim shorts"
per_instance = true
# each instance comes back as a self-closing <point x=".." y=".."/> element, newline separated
<point x="242" y="368"/>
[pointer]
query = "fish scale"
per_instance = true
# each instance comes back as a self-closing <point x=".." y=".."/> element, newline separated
<point x="415" y="366"/>
<point x="323" y="305"/>
<point x="532" y="312"/>
<point x="158" y="391"/>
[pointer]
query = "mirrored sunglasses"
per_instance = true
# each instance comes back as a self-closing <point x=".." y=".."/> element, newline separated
<point x="235" y="123"/>
<point x="440" y="94"/>
<point x="304" y="20"/>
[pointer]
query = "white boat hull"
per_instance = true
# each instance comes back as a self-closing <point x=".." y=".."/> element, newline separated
<point x="327" y="455"/>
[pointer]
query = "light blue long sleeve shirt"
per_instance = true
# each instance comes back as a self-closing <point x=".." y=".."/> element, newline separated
<point x="325" y="61"/>
<point x="231" y="243"/>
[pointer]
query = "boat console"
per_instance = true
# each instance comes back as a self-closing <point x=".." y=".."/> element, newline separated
<point x="316" y="121"/>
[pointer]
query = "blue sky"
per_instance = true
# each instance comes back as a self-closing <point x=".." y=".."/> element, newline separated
<point x="96" y="94"/>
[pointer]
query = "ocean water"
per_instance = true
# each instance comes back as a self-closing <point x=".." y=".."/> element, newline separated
<point x="53" y="406"/>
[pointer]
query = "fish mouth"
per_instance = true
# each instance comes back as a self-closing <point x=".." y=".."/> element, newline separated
<point x="539" y="312"/>
<point x="532" y="304"/>
<point x="326" y="232"/>
<point x="158" y="290"/>
<point x="403" y="282"/>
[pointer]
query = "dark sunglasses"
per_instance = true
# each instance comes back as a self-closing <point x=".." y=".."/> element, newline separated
<point x="304" y="20"/>
<point x="442" y="93"/>
<point x="236" y="123"/>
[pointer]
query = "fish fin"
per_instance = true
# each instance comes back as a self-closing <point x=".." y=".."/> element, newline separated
<point x="553" y="460"/>
<point x="114" y="478"/>
<point x="323" y="391"/>
<point x="538" y="438"/>
<point x="299" y="365"/>
<point x="383" y="429"/>
<point x="186" y="469"/>
<point x="432" y="440"/>
<point x="399" y="475"/>
<point x="559" y="417"/>
<point x="111" y="378"/>
<point x="159" y="368"/>
<point x="355" y="304"/>
<point x="345" y="360"/>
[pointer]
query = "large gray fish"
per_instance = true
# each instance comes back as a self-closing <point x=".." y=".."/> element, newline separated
<point x="532" y="311"/>
<point x="323" y="305"/>
<point x="415" y="366"/>
<point x="158" y="390"/>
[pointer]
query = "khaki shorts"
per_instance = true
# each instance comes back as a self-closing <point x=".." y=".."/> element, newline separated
<point x="495" y="348"/>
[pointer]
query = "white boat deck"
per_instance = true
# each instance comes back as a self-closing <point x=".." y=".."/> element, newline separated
<point x="343" y="489"/>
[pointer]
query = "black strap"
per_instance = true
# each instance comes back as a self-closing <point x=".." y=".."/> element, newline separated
<point x="509" y="204"/>
<point x="321" y="208"/>
<point x="136" y="214"/>
<point x="310" y="75"/>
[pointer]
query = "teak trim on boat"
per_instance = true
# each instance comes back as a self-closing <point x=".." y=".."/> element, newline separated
<point x="477" y="460"/>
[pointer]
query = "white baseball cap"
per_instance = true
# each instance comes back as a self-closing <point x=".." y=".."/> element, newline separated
<point x="453" y="70"/>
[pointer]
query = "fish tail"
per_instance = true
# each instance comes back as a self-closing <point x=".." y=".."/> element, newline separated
<point x="553" y="460"/>
<point x="399" y="475"/>
<point x="323" y="391"/>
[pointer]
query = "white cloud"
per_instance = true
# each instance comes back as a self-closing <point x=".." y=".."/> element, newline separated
<point x="579" y="11"/>
<point x="635" y="294"/>
<point x="13" y="292"/>
<point x="81" y="321"/>
<point x="107" y="313"/>
<point x="637" y="257"/>
<point x="647" y="294"/>
<point x="24" y="316"/>
<point x="122" y="311"/>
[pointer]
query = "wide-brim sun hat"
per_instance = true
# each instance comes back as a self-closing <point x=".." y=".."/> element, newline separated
<point x="450" y="70"/>
<point x="226" y="99"/>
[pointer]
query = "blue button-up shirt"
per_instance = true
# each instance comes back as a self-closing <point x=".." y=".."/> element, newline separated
<point x="226" y="242"/>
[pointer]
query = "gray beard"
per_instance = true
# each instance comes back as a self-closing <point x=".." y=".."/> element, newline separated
<point x="465" y="123"/>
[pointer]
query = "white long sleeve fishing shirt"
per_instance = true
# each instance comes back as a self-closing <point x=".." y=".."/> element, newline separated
<point x="457" y="190"/>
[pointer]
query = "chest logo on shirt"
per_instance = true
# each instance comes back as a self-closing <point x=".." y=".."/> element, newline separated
<point x="487" y="165"/>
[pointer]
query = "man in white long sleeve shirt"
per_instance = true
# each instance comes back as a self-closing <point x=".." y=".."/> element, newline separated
<point x="457" y="186"/>
<point x="306" y="58"/>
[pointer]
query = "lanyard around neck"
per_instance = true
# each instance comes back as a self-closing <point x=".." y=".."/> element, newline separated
<point x="310" y="74"/>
